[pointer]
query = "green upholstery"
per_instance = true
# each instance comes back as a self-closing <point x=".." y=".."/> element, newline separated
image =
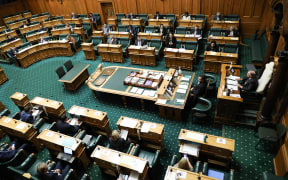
<point x="87" y="29"/>
<point x="150" y="28"/>
<point x="230" y="48"/>
<point x="85" y="177"/>
<point x="24" y="45"/>
<point x="144" y="18"/>
<point x="258" y="48"/>
<point x="58" y="17"/>
<point x="53" y="127"/>
<point x="192" y="45"/>
<point x="125" y="42"/>
<point x="172" y="17"/>
<point x="137" y="28"/>
<point x="175" y="160"/>
<point x="269" y="176"/>
<point x="29" y="33"/>
<point x="232" y="17"/>
<point x="215" y="32"/>
<point x="157" y="43"/>
<point x="4" y="112"/>
<point x="10" y="22"/>
<point x="180" y="30"/>
<point x="73" y="25"/>
<point x="19" y="157"/>
<point x="11" y="60"/>
<point x="92" y="144"/>
<point x="35" y="22"/>
<point x="60" y="26"/>
<point x="201" y="17"/>
<point x="35" y="15"/>
<point x="45" y="13"/>
<point x="22" y="19"/>
<point x="178" y="44"/>
<point x="227" y="175"/>
<point x="82" y="16"/>
<point x="202" y="109"/>
<point x="96" y="40"/>
<point x="119" y="16"/>
<point x="40" y="125"/>
<point x="127" y="151"/>
<point x="48" y="38"/>
<point x="212" y="80"/>
<point x="62" y="36"/>
<point x="98" y="18"/>
<point x="78" y="40"/>
<point x="122" y="28"/>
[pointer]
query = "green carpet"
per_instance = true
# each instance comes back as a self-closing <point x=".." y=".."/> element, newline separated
<point x="40" y="79"/>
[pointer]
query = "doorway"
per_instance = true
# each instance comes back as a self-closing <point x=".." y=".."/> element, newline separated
<point x="107" y="10"/>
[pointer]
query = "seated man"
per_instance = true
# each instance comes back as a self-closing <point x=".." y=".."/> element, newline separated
<point x="158" y="16"/>
<point x="73" y="15"/>
<point x="198" y="90"/>
<point x="41" y="28"/>
<point x="249" y="83"/>
<point x="140" y="42"/>
<point x="218" y="17"/>
<point x="64" y="127"/>
<point x="10" y="152"/>
<point x="131" y="16"/>
<point x="186" y="16"/>
<point x="196" y="31"/>
<point x="117" y="143"/>
<point x="185" y="164"/>
<point x="58" y="173"/>
<point x="10" y="38"/>
<point x="232" y="32"/>
<point x="213" y="47"/>
<point x="26" y="115"/>
<point x="112" y="40"/>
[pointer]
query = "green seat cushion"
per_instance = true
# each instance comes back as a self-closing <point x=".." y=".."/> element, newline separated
<point x="149" y="156"/>
<point x="267" y="134"/>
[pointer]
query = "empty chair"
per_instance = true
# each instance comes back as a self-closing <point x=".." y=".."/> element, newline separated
<point x="62" y="36"/>
<point x="60" y="26"/>
<point x="215" y="32"/>
<point x="68" y="65"/>
<point x="144" y="18"/>
<point x="60" y="72"/>
<point x="87" y="29"/>
<point x="172" y="17"/>
<point x="202" y="109"/>
<point x="58" y="17"/>
<point x="125" y="42"/>
<point x="73" y="25"/>
<point x="119" y="17"/>
<point x="178" y="44"/>
<point x="232" y="17"/>
<point x="180" y="30"/>
<point x="122" y="28"/>
<point x="149" y="29"/>
<point x="82" y="16"/>
<point x="230" y="48"/>
<point x="217" y="173"/>
<point x="96" y="40"/>
<point x="157" y="43"/>
<point x="192" y="45"/>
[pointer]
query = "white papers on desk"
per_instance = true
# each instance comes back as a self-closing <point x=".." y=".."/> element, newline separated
<point x="221" y="140"/>
<point x="212" y="53"/>
<point x="97" y="113"/>
<point x="35" y="113"/>
<point x="97" y="153"/>
<point x="232" y="82"/>
<point x="196" y="136"/>
<point x="49" y="134"/>
<point x="181" y="91"/>
<point x="21" y="126"/>
<point x="182" y="50"/>
<point x="81" y="111"/>
<point x="161" y="101"/>
<point x="73" y="110"/>
<point x="124" y="134"/>
<point x="191" y="149"/>
<point x="182" y="86"/>
<point x="134" y="90"/>
<point x="7" y="120"/>
<point x="235" y="95"/>
<point x="232" y="87"/>
<point x="73" y="121"/>
<point x="181" y="174"/>
<point x="233" y="77"/>
<point x="139" y="91"/>
<point x="180" y="101"/>
<point x="68" y="151"/>
<point x="127" y="122"/>
<point x="116" y="158"/>
<point x="145" y="127"/>
<point x="185" y="79"/>
<point x="38" y="99"/>
<point x="54" y="103"/>
<point x="20" y="95"/>
<point x="133" y="175"/>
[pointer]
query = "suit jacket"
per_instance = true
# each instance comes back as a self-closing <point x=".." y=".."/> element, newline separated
<point x="133" y="33"/>
<point x="75" y="16"/>
<point x="119" y="145"/>
<point x="235" y="33"/>
<point x="51" y="176"/>
<point x="173" y="41"/>
<point x="66" y="128"/>
<point x="27" y="117"/>
<point x="164" y="31"/>
<point x="115" y="41"/>
<point x="197" y="33"/>
<point x="143" y="42"/>
<point x="249" y="84"/>
<point x="11" y="53"/>
<point x="221" y="17"/>
<point x="132" y="17"/>
<point x="199" y="89"/>
<point x="215" y="49"/>
<point x="159" y="17"/>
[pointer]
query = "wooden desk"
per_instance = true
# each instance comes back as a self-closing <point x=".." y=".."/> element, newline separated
<point x="157" y="22"/>
<point x="190" y="23"/>
<point x="16" y="25"/>
<point x="154" y="138"/>
<point x="21" y="100"/>
<point x="99" y="34"/>
<point x="23" y="30"/>
<point x="52" y="107"/>
<point x="48" y="24"/>
<point x="13" y="44"/>
<point x="186" y="37"/>
<point x="224" y="24"/>
<point x="12" y="18"/>
<point x="150" y="36"/>
<point x="109" y="160"/>
<point x="57" y="32"/>
<point x="142" y="56"/>
<point x="75" y="76"/>
<point x="10" y="33"/>
<point x="217" y="150"/>
<point x="89" y="51"/>
<point x="57" y="141"/>
<point x="214" y="60"/>
<point x="27" y="15"/>
<point x="39" y="18"/>
<point x="37" y="52"/>
<point x="135" y="22"/>
<point x="120" y="34"/>
<point x="80" y="31"/>
<point x="224" y="40"/>
<point x="112" y="21"/>
<point x="111" y="52"/>
<point x="184" y="174"/>
<point x="227" y="106"/>
<point x="175" y="58"/>
<point x="97" y="120"/>
<point x="2" y="28"/>
<point x="77" y="21"/>
<point x="3" y="77"/>
<point x="37" y="36"/>
<point x="19" y="129"/>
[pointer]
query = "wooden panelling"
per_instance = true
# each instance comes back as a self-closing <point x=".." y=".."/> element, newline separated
<point x="10" y="8"/>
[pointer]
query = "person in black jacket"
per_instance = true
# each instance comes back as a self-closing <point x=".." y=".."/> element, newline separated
<point x="117" y="143"/>
<point x="26" y="115"/>
<point x="196" y="31"/>
<point x="218" y="17"/>
<point x="158" y="16"/>
<point x="9" y="153"/>
<point x="132" y="32"/>
<point x="65" y="128"/>
<point x="213" y="47"/>
<point x="232" y="32"/>
<point x="249" y="83"/>
<point x="162" y="30"/>
<point x="140" y="42"/>
<point x="171" y="41"/>
<point x="58" y="173"/>
<point x="198" y="90"/>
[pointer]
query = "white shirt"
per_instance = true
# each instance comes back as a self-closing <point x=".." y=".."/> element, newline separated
<point x="186" y="18"/>
<point x="139" y="43"/>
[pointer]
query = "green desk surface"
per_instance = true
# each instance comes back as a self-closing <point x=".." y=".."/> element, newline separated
<point x="70" y="75"/>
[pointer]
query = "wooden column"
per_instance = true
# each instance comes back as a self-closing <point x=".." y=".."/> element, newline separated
<point x="275" y="35"/>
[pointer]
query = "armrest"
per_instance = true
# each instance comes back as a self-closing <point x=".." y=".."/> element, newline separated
<point x="136" y="150"/>
<point x="130" y="148"/>
<point x="205" y="101"/>
<point x="161" y="47"/>
<point x="51" y="165"/>
<point x="19" y="157"/>
<point x="231" y="177"/>
<point x="196" y="50"/>
<point x="197" y="166"/>
<point x="173" y="160"/>
<point x="81" y="134"/>
<point x="5" y="112"/>
<point x="38" y="124"/>
<point x="85" y="177"/>
<point x="77" y="133"/>
<point x="155" y="159"/>
<point x="69" y="174"/>
<point x="94" y="143"/>
<point x="27" y="163"/>
<point x="205" y="168"/>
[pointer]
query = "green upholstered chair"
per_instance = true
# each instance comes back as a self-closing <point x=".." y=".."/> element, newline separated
<point x="151" y="155"/>
<point x="122" y="28"/>
<point x="78" y="40"/>
<point x="137" y="28"/>
<point x="48" y="38"/>
<point x="11" y="60"/>
<point x="40" y="125"/>
<point x="19" y="157"/>
<point x="24" y="45"/>
<point x="10" y="22"/>
<point x="62" y="36"/>
<point x="45" y="13"/>
<point x="178" y="44"/>
<point x="96" y="40"/>
<point x="60" y="26"/>
<point x="202" y="109"/>
<point x="172" y="17"/>
<point x="58" y="17"/>
<point x="192" y="45"/>
<point x="29" y="33"/>
<point x="127" y="151"/>
<point x="85" y="177"/>
<point x="35" y="15"/>
<point x="82" y="16"/>
<point x="34" y="22"/>
<point x="144" y="18"/>
<point x="180" y="30"/>
<point x="157" y="43"/>
<point x="232" y="17"/>
<point x="90" y="142"/>
<point x="201" y="17"/>
<point x="259" y="46"/>
<point x="175" y="160"/>
<point x="149" y="29"/>
<point x="227" y="175"/>
<point x="87" y="29"/>
<point x="4" y="112"/>
<point x="230" y="48"/>
<point x="68" y="65"/>
<point x="73" y="25"/>
<point x="60" y="72"/>
<point x="119" y="16"/>
<point x="215" y="32"/>
<point x="211" y="85"/>
<point x="125" y="42"/>
<point x="22" y="19"/>
<point x="269" y="176"/>
<point x="98" y="18"/>
<point x="271" y="133"/>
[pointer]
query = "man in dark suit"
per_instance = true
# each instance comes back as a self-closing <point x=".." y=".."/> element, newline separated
<point x="65" y="128"/>
<point x="232" y="32"/>
<point x="26" y="115"/>
<point x="198" y="90"/>
<point x="131" y="16"/>
<point x="196" y="31"/>
<point x="57" y="173"/>
<point x="249" y="83"/>
<point x="10" y="152"/>
<point x="158" y="16"/>
<point x="73" y="16"/>
<point x="41" y="28"/>
<point x="140" y="42"/>
<point x="171" y="41"/>
<point x="218" y="17"/>
<point x="212" y="47"/>
<point x="112" y="40"/>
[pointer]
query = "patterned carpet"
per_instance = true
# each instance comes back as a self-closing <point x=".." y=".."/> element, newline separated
<point x="40" y="79"/>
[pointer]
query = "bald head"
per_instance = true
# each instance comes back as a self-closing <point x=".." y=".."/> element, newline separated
<point x="251" y="74"/>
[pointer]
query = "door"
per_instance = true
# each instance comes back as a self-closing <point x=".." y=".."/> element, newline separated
<point x="107" y="10"/>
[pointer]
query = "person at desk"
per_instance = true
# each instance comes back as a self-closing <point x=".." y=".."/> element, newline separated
<point x="58" y="173"/>
<point x="248" y="83"/>
<point x="132" y="31"/>
<point x="41" y="28"/>
<point x="140" y="42"/>
<point x="64" y="127"/>
<point x="162" y="30"/>
<point x="171" y="41"/>
<point x="112" y="40"/>
<point x="42" y="40"/>
<point x="196" y="31"/>
<point x="9" y="153"/>
<point x="185" y="164"/>
<point x="73" y="15"/>
<point x="186" y="16"/>
<point x="232" y="32"/>
<point x="94" y="20"/>
<point x="131" y="16"/>
<point x="72" y="42"/>
<point x="105" y="30"/>
<point x="9" y="38"/>
<point x="198" y="90"/>
<point x="26" y="115"/>
<point x="158" y="16"/>
<point x="213" y="47"/>
<point x="117" y="143"/>
<point x="69" y="27"/>
<point x="218" y="17"/>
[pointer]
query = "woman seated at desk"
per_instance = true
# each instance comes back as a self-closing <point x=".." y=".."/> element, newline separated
<point x="117" y="143"/>
<point x="213" y="47"/>
<point x="58" y="173"/>
<point x="185" y="164"/>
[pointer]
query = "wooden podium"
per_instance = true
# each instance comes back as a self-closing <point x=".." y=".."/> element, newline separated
<point x="88" y="51"/>
<point x="190" y="23"/>
<point x="51" y="107"/>
<point x="111" y="52"/>
<point x="142" y="56"/>
<point x="21" y="100"/>
<point x="175" y="58"/>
